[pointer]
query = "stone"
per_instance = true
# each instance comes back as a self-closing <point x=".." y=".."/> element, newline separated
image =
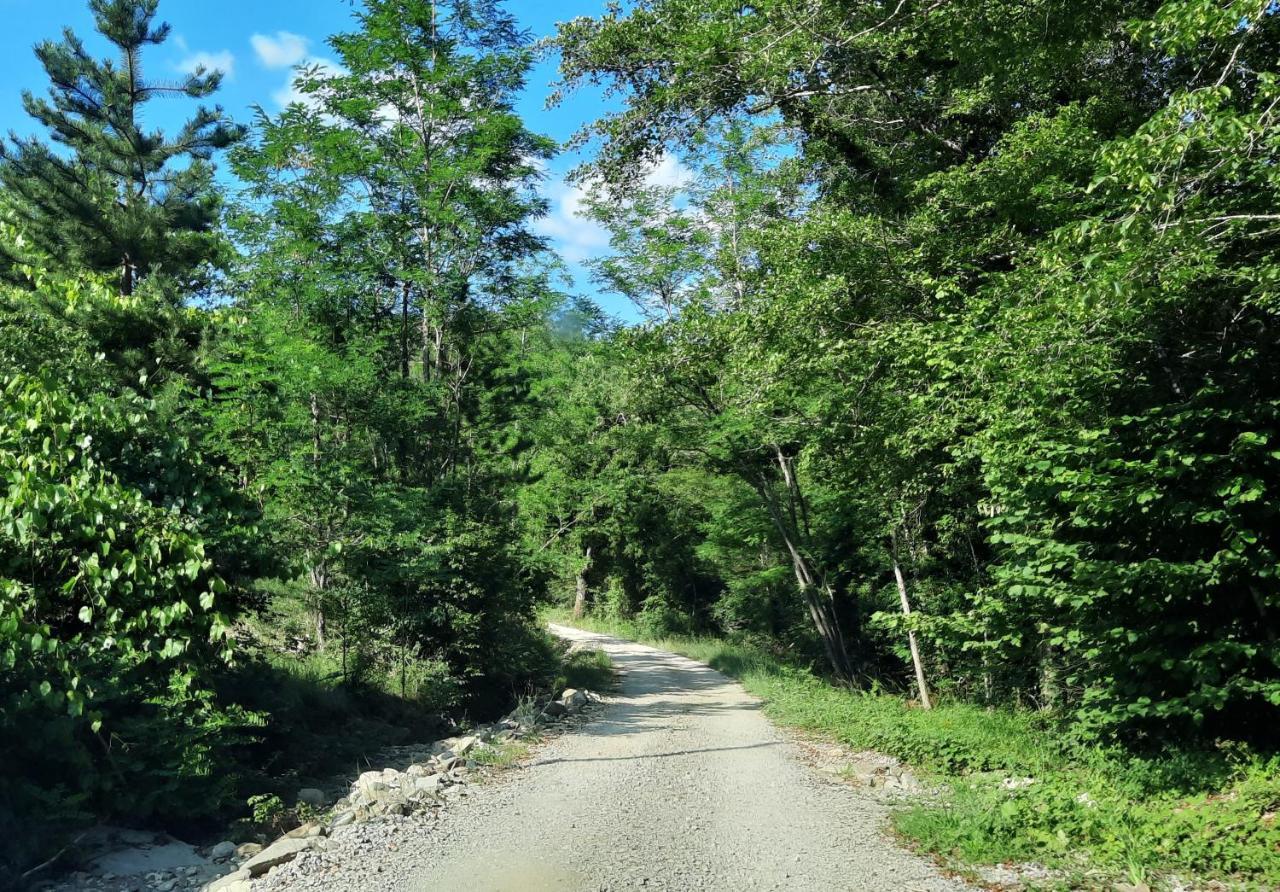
<point x="279" y="852"/>
<point x="428" y="785"/>
<point x="419" y="770"/>
<point x="391" y="805"/>
<point x="573" y="700"/>
<point x="312" y="797"/>
<point x="306" y="831"/>
<point x="448" y="764"/>
<point x="369" y="777"/>
<point x="248" y="849"/>
<point x="464" y="746"/>
<point x="554" y="710"/>
<point x="222" y="851"/>
<point x="343" y="819"/>
<point x="232" y="882"/>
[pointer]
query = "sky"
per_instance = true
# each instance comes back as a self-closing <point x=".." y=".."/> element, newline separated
<point x="257" y="43"/>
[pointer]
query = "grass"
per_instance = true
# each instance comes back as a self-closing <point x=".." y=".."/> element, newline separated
<point x="586" y="669"/>
<point x="1096" y="815"/>
<point x="501" y="754"/>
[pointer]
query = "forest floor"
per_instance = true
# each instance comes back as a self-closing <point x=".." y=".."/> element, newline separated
<point x="678" y="783"/>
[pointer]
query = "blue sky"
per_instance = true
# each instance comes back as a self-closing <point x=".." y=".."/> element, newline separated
<point x="258" y="41"/>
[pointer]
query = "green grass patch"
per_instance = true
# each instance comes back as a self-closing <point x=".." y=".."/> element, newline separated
<point x="1097" y="813"/>
<point x="586" y="669"/>
<point x="501" y="754"/>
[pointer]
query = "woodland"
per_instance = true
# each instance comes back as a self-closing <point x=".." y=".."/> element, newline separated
<point x="953" y="394"/>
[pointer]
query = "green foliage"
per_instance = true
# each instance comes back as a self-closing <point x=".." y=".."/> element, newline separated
<point x="125" y="199"/>
<point x="1000" y="320"/>
<point x="112" y="612"/>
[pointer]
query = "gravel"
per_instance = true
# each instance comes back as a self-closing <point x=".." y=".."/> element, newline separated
<point x="677" y="783"/>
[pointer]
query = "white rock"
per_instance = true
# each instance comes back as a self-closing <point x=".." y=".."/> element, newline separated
<point x="428" y="785"/>
<point x="279" y="852"/>
<point x="369" y="777"/>
<point x="232" y="882"/>
<point x="465" y="745"/>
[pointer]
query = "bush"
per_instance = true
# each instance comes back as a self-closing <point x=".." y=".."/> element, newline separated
<point x="110" y="612"/>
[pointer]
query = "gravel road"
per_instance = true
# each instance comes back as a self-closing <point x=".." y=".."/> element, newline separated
<point x="677" y="783"/>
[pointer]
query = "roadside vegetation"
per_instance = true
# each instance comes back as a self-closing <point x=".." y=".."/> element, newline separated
<point x="1016" y="787"/>
<point x="952" y="401"/>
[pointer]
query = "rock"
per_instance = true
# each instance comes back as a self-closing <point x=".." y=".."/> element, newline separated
<point x="312" y="797"/>
<point x="279" y="852"/>
<point x="447" y="765"/>
<point x="369" y="777"/>
<point x="464" y="746"/>
<point x="306" y="831"/>
<point x="232" y="882"/>
<point x="428" y="785"/>
<point x="1016" y="783"/>
<point x="342" y="820"/>
<point x="554" y="710"/>
<point x="419" y="770"/>
<point x="248" y="849"/>
<point x="573" y="700"/>
<point x="166" y="886"/>
<point x="222" y="851"/>
<point x="391" y="805"/>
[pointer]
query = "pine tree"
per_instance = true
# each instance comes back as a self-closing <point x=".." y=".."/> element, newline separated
<point x="118" y="199"/>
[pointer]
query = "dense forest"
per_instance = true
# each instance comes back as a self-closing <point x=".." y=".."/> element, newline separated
<point x="957" y="379"/>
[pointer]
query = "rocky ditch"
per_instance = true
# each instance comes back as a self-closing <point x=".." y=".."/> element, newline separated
<point x="433" y="775"/>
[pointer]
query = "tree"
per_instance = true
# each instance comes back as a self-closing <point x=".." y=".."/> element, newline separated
<point x="115" y="196"/>
<point x="372" y="384"/>
<point x="1028" y="285"/>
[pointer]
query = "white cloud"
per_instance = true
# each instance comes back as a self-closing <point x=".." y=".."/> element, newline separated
<point x="284" y="50"/>
<point x="574" y="235"/>
<point x="289" y="93"/>
<point x="669" y="172"/>
<point x="223" y="61"/>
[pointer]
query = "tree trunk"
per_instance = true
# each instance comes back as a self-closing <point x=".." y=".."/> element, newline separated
<point x="1049" y="681"/>
<point x="319" y="576"/>
<point x="818" y="597"/>
<point x="911" y="635"/>
<point x="404" y="331"/>
<point x="580" y="599"/>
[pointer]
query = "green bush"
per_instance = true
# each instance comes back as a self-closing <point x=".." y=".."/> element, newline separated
<point x="110" y="613"/>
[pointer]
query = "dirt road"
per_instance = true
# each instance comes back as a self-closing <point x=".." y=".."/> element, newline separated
<point x="678" y="783"/>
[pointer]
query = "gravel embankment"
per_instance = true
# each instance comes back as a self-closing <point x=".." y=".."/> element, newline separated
<point x="678" y="783"/>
